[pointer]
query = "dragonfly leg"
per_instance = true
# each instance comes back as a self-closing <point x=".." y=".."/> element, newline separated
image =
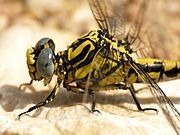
<point x="93" y="102"/>
<point x="74" y="89"/>
<point x="47" y="100"/>
<point x="81" y="91"/>
<point x="131" y="89"/>
<point x="25" y="84"/>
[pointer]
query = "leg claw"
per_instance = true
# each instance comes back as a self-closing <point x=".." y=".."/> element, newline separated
<point x="95" y="110"/>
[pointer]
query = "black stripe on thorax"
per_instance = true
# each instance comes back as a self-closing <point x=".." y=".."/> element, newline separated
<point x="88" y="60"/>
<point x="80" y="56"/>
<point x="77" y="43"/>
<point x="83" y="53"/>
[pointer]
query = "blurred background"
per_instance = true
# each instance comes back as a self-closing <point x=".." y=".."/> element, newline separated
<point x="73" y="18"/>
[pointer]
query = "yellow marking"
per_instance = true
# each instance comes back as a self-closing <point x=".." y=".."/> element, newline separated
<point x="154" y="75"/>
<point x="82" y="72"/>
<point x="56" y="89"/>
<point x="31" y="68"/>
<point x="132" y="78"/>
<point x="93" y="33"/>
<point x="60" y="61"/>
<point x="147" y="61"/>
<point x="30" y="56"/>
<point x="29" y="51"/>
<point x="169" y="65"/>
<point x="178" y="64"/>
<point x="46" y="45"/>
<point x="30" y="61"/>
<point x="73" y="53"/>
<point x="122" y="49"/>
<point x="55" y="66"/>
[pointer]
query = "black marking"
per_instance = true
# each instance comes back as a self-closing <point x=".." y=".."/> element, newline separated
<point x="101" y="73"/>
<point x="51" y="44"/>
<point x="153" y="68"/>
<point x="87" y="61"/>
<point x="113" y="69"/>
<point x="80" y="56"/>
<point x="157" y="67"/>
<point x="80" y="41"/>
<point x="94" y="33"/>
<point x="173" y="72"/>
<point x="77" y="43"/>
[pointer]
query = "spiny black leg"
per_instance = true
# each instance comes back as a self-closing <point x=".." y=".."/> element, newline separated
<point x="137" y="102"/>
<point x="47" y="100"/>
<point x="93" y="102"/>
<point x="25" y="84"/>
<point x="32" y="108"/>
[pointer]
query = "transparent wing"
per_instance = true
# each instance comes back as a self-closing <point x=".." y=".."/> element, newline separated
<point x="115" y="16"/>
<point x="135" y="36"/>
<point x="135" y="28"/>
<point x="106" y="17"/>
<point x="164" y="102"/>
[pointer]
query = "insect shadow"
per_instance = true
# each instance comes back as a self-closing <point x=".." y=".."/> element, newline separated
<point x="12" y="98"/>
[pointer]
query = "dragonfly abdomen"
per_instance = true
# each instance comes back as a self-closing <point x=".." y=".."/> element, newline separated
<point x="159" y="70"/>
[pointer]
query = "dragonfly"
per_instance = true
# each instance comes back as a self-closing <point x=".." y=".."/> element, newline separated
<point x="102" y="60"/>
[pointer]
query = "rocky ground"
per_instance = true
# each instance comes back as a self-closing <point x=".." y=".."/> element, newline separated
<point x="24" y="22"/>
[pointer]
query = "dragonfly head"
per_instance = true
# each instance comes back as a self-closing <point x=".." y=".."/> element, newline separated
<point x="41" y="60"/>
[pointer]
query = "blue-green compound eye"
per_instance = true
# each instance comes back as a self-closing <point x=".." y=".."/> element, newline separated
<point x="45" y="65"/>
<point x="41" y="45"/>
